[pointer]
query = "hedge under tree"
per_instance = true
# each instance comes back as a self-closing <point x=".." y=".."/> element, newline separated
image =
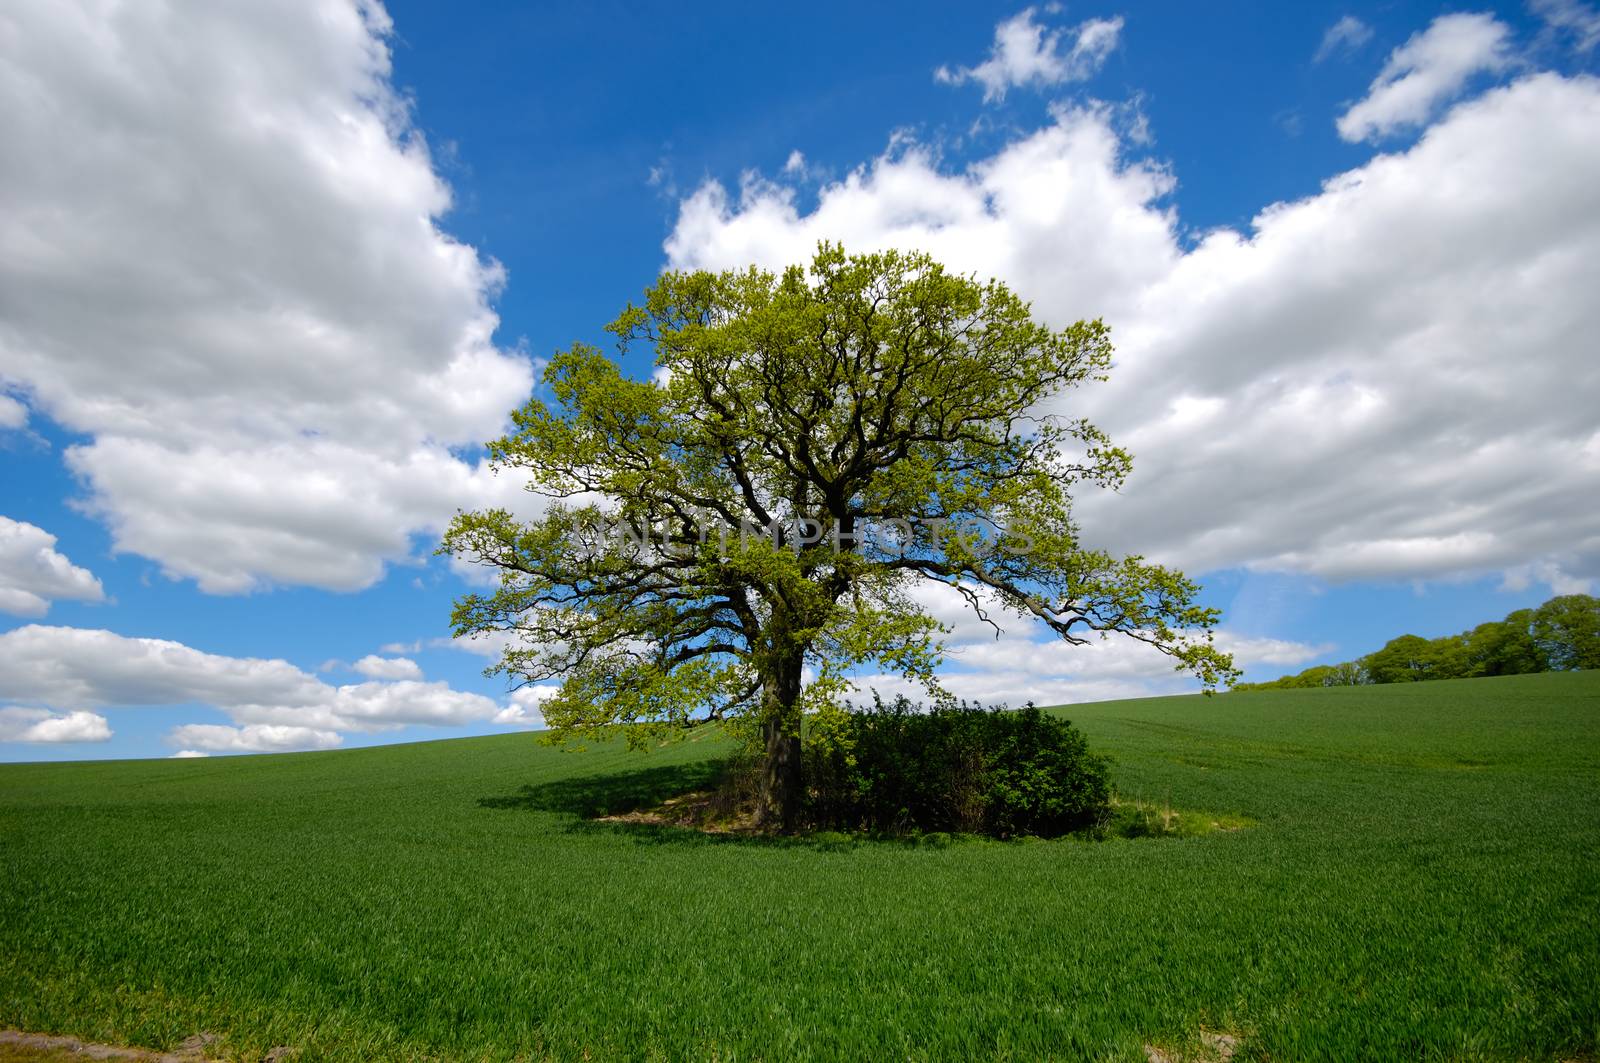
<point x="731" y="538"/>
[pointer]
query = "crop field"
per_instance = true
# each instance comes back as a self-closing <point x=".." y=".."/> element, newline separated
<point x="1419" y="879"/>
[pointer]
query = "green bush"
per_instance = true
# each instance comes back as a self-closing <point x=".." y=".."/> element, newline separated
<point x="895" y="767"/>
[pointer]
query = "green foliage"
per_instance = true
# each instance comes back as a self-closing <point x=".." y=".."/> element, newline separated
<point x="1350" y="673"/>
<point x="1566" y="631"/>
<point x="813" y="444"/>
<point x="1419" y="883"/>
<point x="894" y="767"/>
<point x="1562" y="634"/>
<point x="1504" y="648"/>
<point x="1410" y="659"/>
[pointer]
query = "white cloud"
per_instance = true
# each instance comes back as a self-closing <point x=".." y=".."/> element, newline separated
<point x="1579" y="20"/>
<point x="1025" y="662"/>
<point x="1429" y="69"/>
<point x="1390" y="379"/>
<point x="490" y="644"/>
<point x="989" y="688"/>
<point x="12" y="413"/>
<point x="1022" y="652"/>
<point x="220" y="260"/>
<point x="524" y="709"/>
<point x="257" y="738"/>
<point x="1524" y="576"/>
<point x="1249" y="652"/>
<point x="1025" y="53"/>
<point x="33" y="573"/>
<point x="379" y="706"/>
<point x="39" y="725"/>
<point x="76" y="668"/>
<point x="189" y="754"/>
<point x="1346" y="35"/>
<point x="226" y="519"/>
<point x="375" y="667"/>
<point x="1060" y="213"/>
<point x="68" y="667"/>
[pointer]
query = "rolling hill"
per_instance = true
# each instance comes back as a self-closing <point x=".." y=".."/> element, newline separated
<point x="1420" y="881"/>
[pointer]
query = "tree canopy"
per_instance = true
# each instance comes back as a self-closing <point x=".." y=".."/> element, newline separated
<point x="1566" y="630"/>
<point x="730" y="538"/>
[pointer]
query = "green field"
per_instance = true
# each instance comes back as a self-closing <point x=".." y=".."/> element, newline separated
<point x="1421" y="882"/>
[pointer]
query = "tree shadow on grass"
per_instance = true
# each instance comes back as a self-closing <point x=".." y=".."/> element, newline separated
<point x="591" y="796"/>
<point x="588" y="798"/>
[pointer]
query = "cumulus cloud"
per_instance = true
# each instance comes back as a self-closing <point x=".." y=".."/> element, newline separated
<point x="77" y="669"/>
<point x="40" y="725"/>
<point x="1346" y="35"/>
<point x="256" y="738"/>
<point x="85" y="668"/>
<point x="221" y="261"/>
<point x="1024" y="661"/>
<point x="1429" y="69"/>
<point x="189" y="754"/>
<point x="375" y="667"/>
<point x="1026" y="53"/>
<point x="33" y="573"/>
<point x="1390" y="379"/>
<point x="524" y="709"/>
<point x="1059" y="213"/>
<point x="379" y="706"/>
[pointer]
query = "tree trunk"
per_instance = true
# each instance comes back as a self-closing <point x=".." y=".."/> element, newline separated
<point x="782" y="785"/>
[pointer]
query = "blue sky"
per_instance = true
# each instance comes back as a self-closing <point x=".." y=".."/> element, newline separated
<point x="273" y="276"/>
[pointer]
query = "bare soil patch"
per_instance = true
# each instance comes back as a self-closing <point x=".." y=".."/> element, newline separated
<point x="711" y="811"/>
<point x="19" y="1047"/>
<point x="1208" y="1047"/>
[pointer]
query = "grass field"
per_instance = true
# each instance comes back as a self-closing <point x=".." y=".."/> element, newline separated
<point x="1421" y="882"/>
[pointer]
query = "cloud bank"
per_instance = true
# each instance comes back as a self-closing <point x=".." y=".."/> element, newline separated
<point x="221" y="260"/>
<point x="1025" y="662"/>
<point x="275" y="704"/>
<point x="1392" y="379"/>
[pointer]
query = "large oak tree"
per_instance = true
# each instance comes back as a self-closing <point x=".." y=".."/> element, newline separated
<point x="734" y="536"/>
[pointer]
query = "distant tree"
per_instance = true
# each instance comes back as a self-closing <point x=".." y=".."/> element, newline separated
<point x="1505" y="647"/>
<point x="1448" y="657"/>
<point x="811" y="445"/>
<point x="1317" y="676"/>
<point x="1406" y="659"/>
<point x="1567" y="631"/>
<point x="1348" y="674"/>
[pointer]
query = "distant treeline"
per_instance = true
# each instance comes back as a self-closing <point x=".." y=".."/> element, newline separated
<point x="1561" y="635"/>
